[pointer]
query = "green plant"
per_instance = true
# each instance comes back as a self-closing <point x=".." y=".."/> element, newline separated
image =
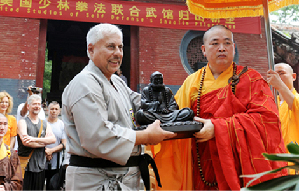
<point x="286" y="15"/>
<point x="47" y="76"/>
<point x="289" y="182"/>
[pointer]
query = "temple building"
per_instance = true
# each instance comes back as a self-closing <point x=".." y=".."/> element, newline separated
<point x="159" y="35"/>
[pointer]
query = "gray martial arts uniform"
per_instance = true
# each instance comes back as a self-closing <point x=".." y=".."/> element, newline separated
<point x="98" y="123"/>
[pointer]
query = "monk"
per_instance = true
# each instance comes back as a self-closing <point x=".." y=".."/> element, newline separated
<point x="240" y="119"/>
<point x="10" y="166"/>
<point x="282" y="80"/>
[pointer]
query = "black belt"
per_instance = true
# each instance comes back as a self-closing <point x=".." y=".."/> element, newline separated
<point x="142" y="161"/>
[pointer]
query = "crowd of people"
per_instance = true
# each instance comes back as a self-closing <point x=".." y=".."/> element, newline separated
<point x="31" y="145"/>
<point x="235" y="104"/>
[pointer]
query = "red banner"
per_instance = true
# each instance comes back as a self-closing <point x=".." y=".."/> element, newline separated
<point x="124" y="13"/>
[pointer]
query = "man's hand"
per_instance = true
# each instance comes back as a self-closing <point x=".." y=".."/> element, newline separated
<point x="49" y="151"/>
<point x="274" y="80"/>
<point x="49" y="157"/>
<point x="28" y="139"/>
<point x="207" y="132"/>
<point x="29" y="90"/>
<point x="33" y="142"/>
<point x="155" y="134"/>
<point x="285" y="93"/>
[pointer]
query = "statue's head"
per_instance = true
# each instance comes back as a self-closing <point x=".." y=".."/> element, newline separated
<point x="157" y="80"/>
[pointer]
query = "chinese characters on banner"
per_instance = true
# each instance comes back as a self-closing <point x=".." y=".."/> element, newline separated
<point x="123" y="13"/>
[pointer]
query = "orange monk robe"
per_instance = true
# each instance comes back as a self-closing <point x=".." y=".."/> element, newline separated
<point x="11" y="130"/>
<point x="176" y="171"/>
<point x="290" y="119"/>
<point x="246" y="125"/>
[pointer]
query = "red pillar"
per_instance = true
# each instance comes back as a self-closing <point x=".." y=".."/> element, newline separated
<point x="134" y="52"/>
<point x="40" y="67"/>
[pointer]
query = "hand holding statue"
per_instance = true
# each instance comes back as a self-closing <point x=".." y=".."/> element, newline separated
<point x="207" y="132"/>
<point x="156" y="134"/>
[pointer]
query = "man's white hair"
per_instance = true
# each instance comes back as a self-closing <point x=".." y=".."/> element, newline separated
<point x="97" y="33"/>
<point x="33" y="97"/>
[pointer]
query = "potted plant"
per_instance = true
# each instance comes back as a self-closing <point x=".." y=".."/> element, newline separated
<point x="289" y="182"/>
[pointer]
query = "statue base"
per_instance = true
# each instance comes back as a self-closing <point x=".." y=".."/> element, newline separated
<point x="184" y="129"/>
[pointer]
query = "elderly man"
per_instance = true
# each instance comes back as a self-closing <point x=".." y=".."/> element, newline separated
<point x="240" y="123"/>
<point x="22" y="111"/>
<point x="53" y="151"/>
<point x="33" y="135"/>
<point x="282" y="80"/>
<point x="98" y="109"/>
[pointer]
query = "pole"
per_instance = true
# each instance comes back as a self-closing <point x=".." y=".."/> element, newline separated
<point x="269" y="43"/>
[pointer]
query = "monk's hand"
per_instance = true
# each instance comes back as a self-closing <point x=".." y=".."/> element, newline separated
<point x="207" y="132"/>
<point x="273" y="79"/>
<point x="156" y="134"/>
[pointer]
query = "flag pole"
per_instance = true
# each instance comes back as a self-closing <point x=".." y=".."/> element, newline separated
<point x="269" y="43"/>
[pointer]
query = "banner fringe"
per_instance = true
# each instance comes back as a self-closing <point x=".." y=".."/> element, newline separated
<point x="237" y="11"/>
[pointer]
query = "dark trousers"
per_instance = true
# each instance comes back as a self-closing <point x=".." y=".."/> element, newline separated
<point x="49" y="175"/>
<point x="34" y="180"/>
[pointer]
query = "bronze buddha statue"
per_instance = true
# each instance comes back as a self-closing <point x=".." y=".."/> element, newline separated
<point x="157" y="102"/>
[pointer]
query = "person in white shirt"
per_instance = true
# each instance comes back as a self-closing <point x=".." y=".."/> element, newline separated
<point x="54" y="150"/>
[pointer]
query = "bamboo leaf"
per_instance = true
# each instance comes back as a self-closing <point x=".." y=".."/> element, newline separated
<point x="287" y="157"/>
<point x="257" y="176"/>
<point x="293" y="148"/>
<point x="281" y="183"/>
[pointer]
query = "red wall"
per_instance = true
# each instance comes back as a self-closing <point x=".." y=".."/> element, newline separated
<point x="159" y="51"/>
<point x="253" y="50"/>
<point x="19" y="47"/>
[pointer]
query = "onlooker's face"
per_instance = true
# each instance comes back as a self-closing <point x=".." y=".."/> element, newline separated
<point x="107" y="54"/>
<point x="3" y="126"/>
<point x="118" y="72"/>
<point x="54" y="111"/>
<point x="285" y="74"/>
<point x="4" y="104"/>
<point x="34" y="107"/>
<point x="219" y="48"/>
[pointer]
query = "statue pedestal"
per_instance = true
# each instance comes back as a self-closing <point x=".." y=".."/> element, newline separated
<point x="183" y="130"/>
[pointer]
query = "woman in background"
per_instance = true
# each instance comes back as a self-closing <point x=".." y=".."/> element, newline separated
<point x="6" y="104"/>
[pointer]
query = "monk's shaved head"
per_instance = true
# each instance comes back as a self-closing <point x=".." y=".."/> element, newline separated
<point x="205" y="36"/>
<point x="286" y="74"/>
<point x="286" y="66"/>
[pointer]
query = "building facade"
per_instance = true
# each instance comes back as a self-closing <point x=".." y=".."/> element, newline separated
<point x="147" y="49"/>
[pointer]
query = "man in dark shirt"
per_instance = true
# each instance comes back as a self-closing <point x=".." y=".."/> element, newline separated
<point x="33" y="136"/>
